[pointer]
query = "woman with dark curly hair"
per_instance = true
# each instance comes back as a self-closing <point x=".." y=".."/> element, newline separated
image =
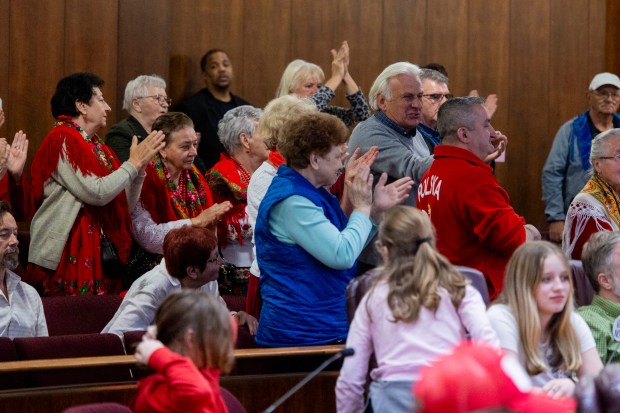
<point x="83" y="192"/>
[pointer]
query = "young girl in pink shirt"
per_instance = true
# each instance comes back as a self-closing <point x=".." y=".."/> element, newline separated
<point x="417" y="310"/>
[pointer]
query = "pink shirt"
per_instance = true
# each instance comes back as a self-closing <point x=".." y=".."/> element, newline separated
<point x="402" y="349"/>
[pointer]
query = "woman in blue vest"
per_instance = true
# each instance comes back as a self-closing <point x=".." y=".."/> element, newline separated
<point x="306" y="246"/>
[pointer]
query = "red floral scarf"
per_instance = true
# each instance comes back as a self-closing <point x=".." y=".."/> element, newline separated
<point x="229" y="181"/>
<point x="89" y="156"/>
<point x="167" y="201"/>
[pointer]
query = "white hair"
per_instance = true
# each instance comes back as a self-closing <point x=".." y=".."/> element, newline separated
<point x="138" y="87"/>
<point x="242" y="119"/>
<point x="380" y="85"/>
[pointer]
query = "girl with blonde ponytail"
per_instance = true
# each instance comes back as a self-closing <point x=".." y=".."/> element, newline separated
<point x="418" y="309"/>
<point x="534" y="320"/>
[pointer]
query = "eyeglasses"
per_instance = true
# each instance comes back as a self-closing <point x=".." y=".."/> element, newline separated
<point x="436" y="97"/>
<point x="217" y="260"/>
<point x="616" y="157"/>
<point x="605" y="95"/>
<point x="409" y="97"/>
<point x="159" y="98"/>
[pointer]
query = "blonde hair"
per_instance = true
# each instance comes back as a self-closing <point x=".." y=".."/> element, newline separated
<point x="416" y="270"/>
<point x="295" y="73"/>
<point x="207" y="317"/>
<point x="278" y="112"/>
<point x="523" y="276"/>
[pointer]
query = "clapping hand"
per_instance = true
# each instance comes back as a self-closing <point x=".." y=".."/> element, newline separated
<point x="500" y="141"/>
<point x="387" y="196"/>
<point x="17" y="155"/>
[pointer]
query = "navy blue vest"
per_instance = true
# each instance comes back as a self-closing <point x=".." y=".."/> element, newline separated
<point x="303" y="300"/>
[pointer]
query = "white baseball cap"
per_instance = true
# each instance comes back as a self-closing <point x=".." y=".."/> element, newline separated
<point x="603" y="79"/>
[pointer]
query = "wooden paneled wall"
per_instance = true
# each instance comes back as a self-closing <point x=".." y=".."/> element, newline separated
<point x="537" y="55"/>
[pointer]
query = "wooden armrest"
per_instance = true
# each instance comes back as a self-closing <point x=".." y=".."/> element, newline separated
<point x="106" y="361"/>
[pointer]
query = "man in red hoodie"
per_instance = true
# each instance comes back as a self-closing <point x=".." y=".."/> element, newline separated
<point x="476" y="226"/>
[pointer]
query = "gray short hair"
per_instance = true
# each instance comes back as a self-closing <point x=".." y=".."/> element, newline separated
<point x="596" y="255"/>
<point x="598" y="143"/>
<point x="435" y="76"/>
<point x="381" y="83"/>
<point x="138" y="87"/>
<point x="242" y="119"/>
<point x="294" y="73"/>
<point x="456" y="113"/>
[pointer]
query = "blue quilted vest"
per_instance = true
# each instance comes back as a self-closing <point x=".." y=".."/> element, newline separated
<point x="303" y="300"/>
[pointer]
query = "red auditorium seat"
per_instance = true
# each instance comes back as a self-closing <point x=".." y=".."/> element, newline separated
<point x="80" y="314"/>
<point x="8" y="353"/>
<point x="79" y="345"/>
<point x="583" y="289"/>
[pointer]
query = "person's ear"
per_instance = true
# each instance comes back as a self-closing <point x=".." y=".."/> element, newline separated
<point x="604" y="281"/>
<point x="135" y="105"/>
<point x="381" y="102"/>
<point x="80" y="107"/>
<point x="192" y="272"/>
<point x="462" y="135"/>
<point x="245" y="141"/>
<point x="314" y="161"/>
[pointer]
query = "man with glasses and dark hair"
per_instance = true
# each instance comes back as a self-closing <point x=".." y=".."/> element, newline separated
<point x="145" y="100"/>
<point x="436" y="92"/>
<point x="568" y="163"/>
<point x="209" y="105"/>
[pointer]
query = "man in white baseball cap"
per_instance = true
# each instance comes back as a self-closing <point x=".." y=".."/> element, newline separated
<point x="566" y="170"/>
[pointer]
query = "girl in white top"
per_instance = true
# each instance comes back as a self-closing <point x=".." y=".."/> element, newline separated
<point x="535" y="321"/>
<point x="419" y="308"/>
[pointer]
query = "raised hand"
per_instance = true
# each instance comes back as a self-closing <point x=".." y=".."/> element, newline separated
<point x="359" y="190"/>
<point x="387" y="196"/>
<point x="500" y="141"/>
<point x="17" y="155"/>
<point x="356" y="161"/>
<point x="1" y="116"/>
<point x="141" y="154"/>
<point x="212" y="215"/>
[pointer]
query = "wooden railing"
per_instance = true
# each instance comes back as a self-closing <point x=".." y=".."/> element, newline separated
<point x="255" y="392"/>
<point x="107" y="361"/>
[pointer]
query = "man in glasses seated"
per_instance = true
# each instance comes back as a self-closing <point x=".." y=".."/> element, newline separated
<point x="145" y="100"/>
<point x="436" y="92"/>
<point x="566" y="170"/>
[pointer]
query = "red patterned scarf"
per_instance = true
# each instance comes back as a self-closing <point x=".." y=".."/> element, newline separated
<point x="167" y="201"/>
<point x="229" y="181"/>
<point x="89" y="156"/>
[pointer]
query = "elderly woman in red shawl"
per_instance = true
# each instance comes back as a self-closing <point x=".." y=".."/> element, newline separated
<point x="174" y="193"/>
<point x="83" y="192"/>
<point x="228" y="180"/>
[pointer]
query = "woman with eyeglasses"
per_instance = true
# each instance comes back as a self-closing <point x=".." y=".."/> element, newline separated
<point x="419" y="307"/>
<point x="597" y="207"/>
<point x="145" y="100"/>
<point x="191" y="261"/>
<point x="83" y="193"/>
<point x="307" y="80"/>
